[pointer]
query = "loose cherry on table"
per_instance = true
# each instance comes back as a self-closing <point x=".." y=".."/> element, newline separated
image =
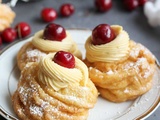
<point x="67" y="9"/>
<point x="102" y="34"/>
<point x="64" y="59"/>
<point x="0" y="41"/>
<point x="23" y="29"/>
<point x="54" y="32"/>
<point x="141" y="2"/>
<point x="103" y="5"/>
<point x="9" y="35"/>
<point x="130" y="4"/>
<point x="48" y="14"/>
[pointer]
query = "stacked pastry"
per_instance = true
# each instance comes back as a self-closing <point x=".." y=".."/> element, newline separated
<point x="6" y="16"/>
<point x="57" y="88"/>
<point x="120" y="68"/>
<point x="52" y="39"/>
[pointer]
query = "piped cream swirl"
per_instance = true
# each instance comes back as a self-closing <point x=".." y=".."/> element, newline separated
<point x="67" y="44"/>
<point x="58" y="77"/>
<point x="109" y="52"/>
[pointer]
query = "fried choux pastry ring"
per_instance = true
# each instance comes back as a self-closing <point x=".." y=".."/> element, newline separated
<point x="120" y="68"/>
<point x="52" y="89"/>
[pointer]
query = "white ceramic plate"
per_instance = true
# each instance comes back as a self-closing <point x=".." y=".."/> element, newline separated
<point x="140" y="108"/>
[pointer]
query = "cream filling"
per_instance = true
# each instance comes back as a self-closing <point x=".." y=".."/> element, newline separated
<point x="58" y="77"/>
<point x="67" y="44"/>
<point x="109" y="52"/>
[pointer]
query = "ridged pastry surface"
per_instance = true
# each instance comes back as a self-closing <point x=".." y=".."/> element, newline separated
<point x="28" y="53"/>
<point x="34" y="100"/>
<point x="125" y="79"/>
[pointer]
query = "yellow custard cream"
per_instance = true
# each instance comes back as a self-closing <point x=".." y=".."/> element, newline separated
<point x="67" y="44"/>
<point x="109" y="52"/>
<point x="58" y="77"/>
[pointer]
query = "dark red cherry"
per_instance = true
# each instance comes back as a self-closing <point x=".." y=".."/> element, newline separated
<point x="0" y="41"/>
<point x="48" y="14"/>
<point x="23" y="29"/>
<point x="54" y="32"/>
<point x="141" y="2"/>
<point x="102" y="34"/>
<point x="130" y="4"/>
<point x="67" y="10"/>
<point x="64" y="59"/>
<point x="9" y="35"/>
<point x="103" y="5"/>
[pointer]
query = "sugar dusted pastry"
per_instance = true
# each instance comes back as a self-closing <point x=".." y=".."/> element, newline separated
<point x="6" y="16"/>
<point x="52" y="39"/>
<point x="56" y="88"/>
<point x="120" y="68"/>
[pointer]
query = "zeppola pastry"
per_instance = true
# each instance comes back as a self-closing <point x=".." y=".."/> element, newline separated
<point x="52" y="39"/>
<point x="120" y="68"/>
<point x="56" y="88"/>
<point x="6" y="16"/>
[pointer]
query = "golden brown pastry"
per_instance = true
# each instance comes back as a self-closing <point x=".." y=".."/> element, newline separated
<point x="39" y="46"/>
<point x="6" y="16"/>
<point x="121" y="69"/>
<point x="49" y="91"/>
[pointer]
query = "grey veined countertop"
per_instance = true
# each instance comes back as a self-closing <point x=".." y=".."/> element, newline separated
<point x="85" y="16"/>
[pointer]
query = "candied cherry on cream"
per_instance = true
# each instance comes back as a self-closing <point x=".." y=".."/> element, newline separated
<point x="141" y="2"/>
<point x="23" y="29"/>
<point x="54" y="32"/>
<point x="9" y="35"/>
<point x="102" y="34"/>
<point x="67" y="9"/>
<point x="64" y="59"/>
<point x="103" y="5"/>
<point x="48" y="14"/>
<point x="130" y="4"/>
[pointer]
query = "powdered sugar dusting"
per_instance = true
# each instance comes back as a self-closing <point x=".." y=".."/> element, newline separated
<point x="35" y="53"/>
<point x="36" y="110"/>
<point x="24" y="94"/>
<point x="110" y="72"/>
<point x="141" y="63"/>
<point x="126" y="91"/>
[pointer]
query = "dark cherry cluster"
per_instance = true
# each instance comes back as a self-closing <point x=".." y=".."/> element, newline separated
<point x="21" y="30"/>
<point x="133" y="4"/>
<point x="67" y="9"/>
<point x="105" y="5"/>
<point x="50" y="14"/>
